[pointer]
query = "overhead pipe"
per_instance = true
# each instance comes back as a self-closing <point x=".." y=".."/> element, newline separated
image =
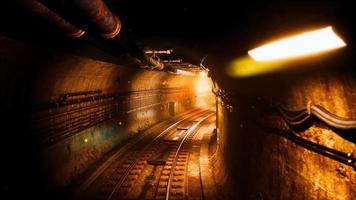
<point x="110" y="26"/>
<point x="100" y="15"/>
<point x="105" y="21"/>
<point x="41" y="10"/>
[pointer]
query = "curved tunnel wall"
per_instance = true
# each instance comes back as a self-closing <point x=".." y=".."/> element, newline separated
<point x="256" y="163"/>
<point x="75" y="109"/>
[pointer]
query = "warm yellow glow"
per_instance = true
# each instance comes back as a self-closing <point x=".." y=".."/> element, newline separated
<point x="202" y="88"/>
<point x="246" y="66"/>
<point x="85" y="140"/>
<point x="203" y="73"/>
<point x="278" y="55"/>
<point x="184" y="72"/>
<point x="299" y="45"/>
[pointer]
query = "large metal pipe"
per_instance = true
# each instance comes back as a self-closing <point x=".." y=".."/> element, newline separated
<point x="104" y="20"/>
<point x="41" y="10"/>
<point x="108" y="24"/>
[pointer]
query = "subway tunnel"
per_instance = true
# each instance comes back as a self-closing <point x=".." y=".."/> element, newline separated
<point x="119" y="99"/>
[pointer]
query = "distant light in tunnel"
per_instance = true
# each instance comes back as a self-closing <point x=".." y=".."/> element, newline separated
<point x="202" y="88"/>
<point x="85" y="140"/>
<point x="184" y="72"/>
<point x="299" y="45"/>
<point x="203" y="73"/>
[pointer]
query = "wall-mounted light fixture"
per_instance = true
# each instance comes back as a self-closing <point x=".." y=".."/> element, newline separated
<point x="278" y="55"/>
<point x="298" y="45"/>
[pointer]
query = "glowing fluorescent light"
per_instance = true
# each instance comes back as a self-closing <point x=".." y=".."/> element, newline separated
<point x="299" y="45"/>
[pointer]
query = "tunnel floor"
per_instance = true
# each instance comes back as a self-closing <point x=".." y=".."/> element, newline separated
<point x="166" y="161"/>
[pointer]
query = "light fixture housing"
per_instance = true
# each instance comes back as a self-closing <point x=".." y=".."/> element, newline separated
<point x="304" y="44"/>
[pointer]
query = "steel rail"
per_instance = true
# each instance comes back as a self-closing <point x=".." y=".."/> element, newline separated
<point x="174" y="163"/>
<point x="122" y="179"/>
<point x="136" y="140"/>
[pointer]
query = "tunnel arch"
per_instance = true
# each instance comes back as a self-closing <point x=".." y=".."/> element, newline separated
<point x="54" y="83"/>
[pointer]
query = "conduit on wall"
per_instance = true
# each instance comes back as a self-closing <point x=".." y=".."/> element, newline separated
<point x="299" y="116"/>
<point x="56" y="121"/>
<point x="342" y="157"/>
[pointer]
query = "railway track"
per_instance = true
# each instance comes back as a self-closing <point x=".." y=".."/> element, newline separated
<point x="173" y="177"/>
<point x="132" y="177"/>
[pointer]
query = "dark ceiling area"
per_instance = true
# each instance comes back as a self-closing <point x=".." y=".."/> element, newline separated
<point x="220" y="30"/>
<point x="193" y="28"/>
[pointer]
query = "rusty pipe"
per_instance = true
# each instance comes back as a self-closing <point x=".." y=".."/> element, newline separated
<point x="100" y="15"/>
<point x="41" y="10"/>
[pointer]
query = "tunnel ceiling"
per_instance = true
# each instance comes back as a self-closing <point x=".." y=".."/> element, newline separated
<point x="221" y="30"/>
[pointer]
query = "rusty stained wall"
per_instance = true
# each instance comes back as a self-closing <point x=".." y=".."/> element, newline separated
<point x="256" y="164"/>
<point x="33" y="81"/>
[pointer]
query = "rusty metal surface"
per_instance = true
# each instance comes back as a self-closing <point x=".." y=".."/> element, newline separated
<point x="96" y="10"/>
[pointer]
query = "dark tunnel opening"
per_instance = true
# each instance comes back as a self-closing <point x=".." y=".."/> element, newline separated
<point x="115" y="99"/>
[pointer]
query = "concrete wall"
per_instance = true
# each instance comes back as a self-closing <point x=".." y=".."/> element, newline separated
<point x="254" y="163"/>
<point x="61" y="137"/>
